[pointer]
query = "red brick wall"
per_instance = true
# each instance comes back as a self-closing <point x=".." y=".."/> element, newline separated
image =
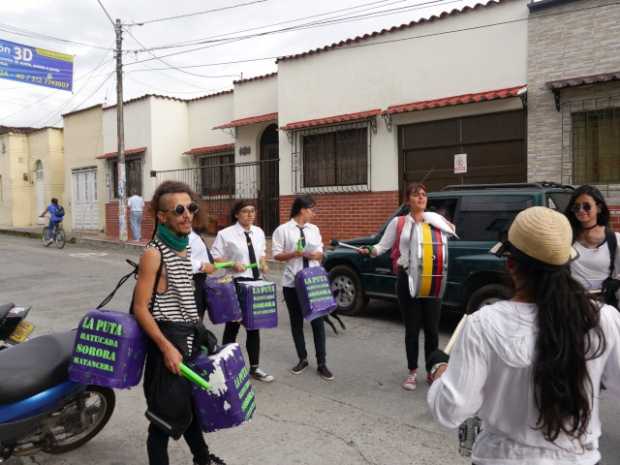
<point x="615" y="217"/>
<point x="111" y="222"/>
<point x="347" y="215"/>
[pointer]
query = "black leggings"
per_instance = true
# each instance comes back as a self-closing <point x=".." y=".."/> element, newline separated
<point x="252" y="340"/>
<point x="297" y="328"/>
<point x="417" y="314"/>
<point x="157" y="444"/>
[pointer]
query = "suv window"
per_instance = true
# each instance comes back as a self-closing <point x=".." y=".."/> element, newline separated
<point x="558" y="200"/>
<point x="482" y="218"/>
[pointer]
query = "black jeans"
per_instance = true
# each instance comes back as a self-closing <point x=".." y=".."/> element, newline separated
<point x="252" y="340"/>
<point x="417" y="314"/>
<point x="297" y="328"/>
<point x="157" y="444"/>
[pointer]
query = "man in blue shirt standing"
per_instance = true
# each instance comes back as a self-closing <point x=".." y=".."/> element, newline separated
<point x="57" y="212"/>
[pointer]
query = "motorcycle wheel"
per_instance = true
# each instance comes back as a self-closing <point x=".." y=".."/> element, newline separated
<point x="101" y="402"/>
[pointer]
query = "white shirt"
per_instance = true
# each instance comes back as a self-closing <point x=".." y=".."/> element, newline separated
<point x="199" y="252"/>
<point x="490" y="375"/>
<point x="592" y="266"/>
<point x="284" y="239"/>
<point x="135" y="203"/>
<point x="389" y="236"/>
<point x="231" y="244"/>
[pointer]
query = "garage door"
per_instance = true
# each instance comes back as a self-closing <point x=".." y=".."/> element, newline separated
<point x="85" y="212"/>
<point x="494" y="143"/>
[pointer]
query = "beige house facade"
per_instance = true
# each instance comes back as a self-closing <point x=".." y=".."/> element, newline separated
<point x="31" y="173"/>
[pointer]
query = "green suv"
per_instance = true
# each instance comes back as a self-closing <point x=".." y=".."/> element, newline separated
<point x="481" y="213"/>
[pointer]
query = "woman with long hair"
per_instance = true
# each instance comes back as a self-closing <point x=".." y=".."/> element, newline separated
<point x="244" y="243"/>
<point x="202" y="260"/>
<point x="595" y="242"/>
<point x="285" y="240"/>
<point x="532" y="367"/>
<point x="417" y="313"/>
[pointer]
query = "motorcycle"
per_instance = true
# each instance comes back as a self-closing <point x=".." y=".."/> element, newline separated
<point x="40" y="408"/>
<point x="14" y="329"/>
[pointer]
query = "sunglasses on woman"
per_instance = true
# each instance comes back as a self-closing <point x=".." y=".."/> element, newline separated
<point x="586" y="207"/>
<point x="192" y="209"/>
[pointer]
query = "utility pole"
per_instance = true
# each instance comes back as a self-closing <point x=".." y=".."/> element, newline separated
<point x="120" y="135"/>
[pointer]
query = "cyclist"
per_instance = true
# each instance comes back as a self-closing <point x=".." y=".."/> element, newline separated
<point x="57" y="213"/>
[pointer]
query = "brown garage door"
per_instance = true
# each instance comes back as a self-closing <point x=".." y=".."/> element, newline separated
<point x="494" y="144"/>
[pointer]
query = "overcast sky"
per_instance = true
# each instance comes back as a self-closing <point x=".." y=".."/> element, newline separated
<point x="94" y="81"/>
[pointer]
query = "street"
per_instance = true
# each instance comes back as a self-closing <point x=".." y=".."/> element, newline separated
<point x="362" y="417"/>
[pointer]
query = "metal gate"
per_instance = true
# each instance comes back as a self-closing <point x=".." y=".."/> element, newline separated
<point x="494" y="143"/>
<point x="221" y="185"/>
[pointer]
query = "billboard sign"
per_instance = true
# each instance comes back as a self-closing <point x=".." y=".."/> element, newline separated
<point x="37" y="66"/>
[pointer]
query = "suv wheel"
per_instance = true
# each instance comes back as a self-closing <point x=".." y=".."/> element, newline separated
<point x="347" y="289"/>
<point x="486" y="295"/>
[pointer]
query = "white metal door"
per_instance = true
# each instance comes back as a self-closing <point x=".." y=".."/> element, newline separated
<point x="85" y="212"/>
<point x="39" y="185"/>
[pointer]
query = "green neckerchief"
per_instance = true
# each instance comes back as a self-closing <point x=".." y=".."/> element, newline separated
<point x="171" y="239"/>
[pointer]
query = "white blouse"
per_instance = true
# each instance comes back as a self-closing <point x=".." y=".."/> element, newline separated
<point x="591" y="268"/>
<point x="199" y="252"/>
<point x="231" y="244"/>
<point x="490" y="375"/>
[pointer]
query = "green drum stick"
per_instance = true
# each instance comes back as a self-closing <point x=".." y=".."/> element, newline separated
<point x="194" y="377"/>
<point x="221" y="265"/>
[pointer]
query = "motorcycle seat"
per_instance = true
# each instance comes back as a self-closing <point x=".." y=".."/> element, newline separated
<point x="35" y="365"/>
<point x="4" y="310"/>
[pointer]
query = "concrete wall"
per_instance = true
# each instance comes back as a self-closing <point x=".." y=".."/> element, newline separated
<point x="257" y="97"/>
<point x="206" y="113"/>
<point x="137" y="117"/>
<point x="83" y="133"/>
<point x="566" y="41"/>
<point x="47" y="146"/>
<point x="439" y="64"/>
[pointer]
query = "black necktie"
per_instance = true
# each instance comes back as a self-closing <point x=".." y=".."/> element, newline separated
<point x="302" y="238"/>
<point x="252" y="254"/>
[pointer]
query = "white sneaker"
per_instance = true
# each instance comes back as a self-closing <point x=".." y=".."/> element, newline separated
<point x="411" y="381"/>
<point x="260" y="375"/>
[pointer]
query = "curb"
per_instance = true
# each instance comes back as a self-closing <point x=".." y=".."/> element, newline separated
<point x="274" y="265"/>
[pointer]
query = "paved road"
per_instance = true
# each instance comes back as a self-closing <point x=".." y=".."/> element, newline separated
<point x="362" y="417"/>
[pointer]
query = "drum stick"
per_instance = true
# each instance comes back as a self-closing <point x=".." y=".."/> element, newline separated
<point x="222" y="265"/>
<point x="194" y="377"/>
<point x="349" y="246"/>
<point x="455" y="335"/>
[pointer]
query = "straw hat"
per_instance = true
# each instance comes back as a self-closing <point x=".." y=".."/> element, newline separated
<point x="540" y="234"/>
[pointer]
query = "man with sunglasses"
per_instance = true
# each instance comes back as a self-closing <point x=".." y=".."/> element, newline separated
<point x="165" y="308"/>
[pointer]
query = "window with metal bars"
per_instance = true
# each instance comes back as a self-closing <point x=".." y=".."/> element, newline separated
<point x="217" y="175"/>
<point x="335" y="158"/>
<point x="133" y="176"/>
<point x="596" y="146"/>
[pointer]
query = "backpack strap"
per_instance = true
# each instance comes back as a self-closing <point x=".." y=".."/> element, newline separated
<point x="612" y="243"/>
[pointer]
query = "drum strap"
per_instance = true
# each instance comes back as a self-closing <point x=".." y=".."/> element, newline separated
<point x="303" y="243"/>
<point x="252" y="254"/>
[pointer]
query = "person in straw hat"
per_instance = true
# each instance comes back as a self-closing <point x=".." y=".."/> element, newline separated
<point x="532" y="367"/>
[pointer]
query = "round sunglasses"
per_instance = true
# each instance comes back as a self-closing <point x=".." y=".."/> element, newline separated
<point x="586" y="207"/>
<point x="192" y="209"/>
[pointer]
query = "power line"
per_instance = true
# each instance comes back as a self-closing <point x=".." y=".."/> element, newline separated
<point x="106" y="12"/>
<point x="299" y="27"/>
<point x="204" y="12"/>
<point x="335" y="19"/>
<point x="37" y="35"/>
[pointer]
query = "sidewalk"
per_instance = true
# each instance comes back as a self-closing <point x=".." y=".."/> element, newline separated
<point x="98" y="240"/>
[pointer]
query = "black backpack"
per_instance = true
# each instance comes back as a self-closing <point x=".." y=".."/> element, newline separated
<point x="60" y="211"/>
<point x="611" y="285"/>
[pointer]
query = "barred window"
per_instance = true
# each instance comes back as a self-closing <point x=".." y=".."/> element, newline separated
<point x="335" y="158"/>
<point x="133" y="176"/>
<point x="217" y="175"/>
<point x="596" y="146"/>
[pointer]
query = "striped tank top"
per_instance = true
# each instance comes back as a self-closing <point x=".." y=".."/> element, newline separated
<point x="177" y="303"/>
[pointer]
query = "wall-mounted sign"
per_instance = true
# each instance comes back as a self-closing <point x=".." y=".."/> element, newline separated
<point x="245" y="150"/>
<point x="460" y="163"/>
<point x="37" y="66"/>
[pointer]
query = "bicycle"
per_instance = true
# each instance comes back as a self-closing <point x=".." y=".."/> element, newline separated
<point x="58" y="239"/>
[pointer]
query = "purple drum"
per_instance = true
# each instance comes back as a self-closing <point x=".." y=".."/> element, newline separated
<point x="230" y="401"/>
<point x="222" y="301"/>
<point x="109" y="350"/>
<point x="314" y="292"/>
<point x="258" y="301"/>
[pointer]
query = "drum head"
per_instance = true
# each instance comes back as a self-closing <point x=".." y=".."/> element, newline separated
<point x="428" y="254"/>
